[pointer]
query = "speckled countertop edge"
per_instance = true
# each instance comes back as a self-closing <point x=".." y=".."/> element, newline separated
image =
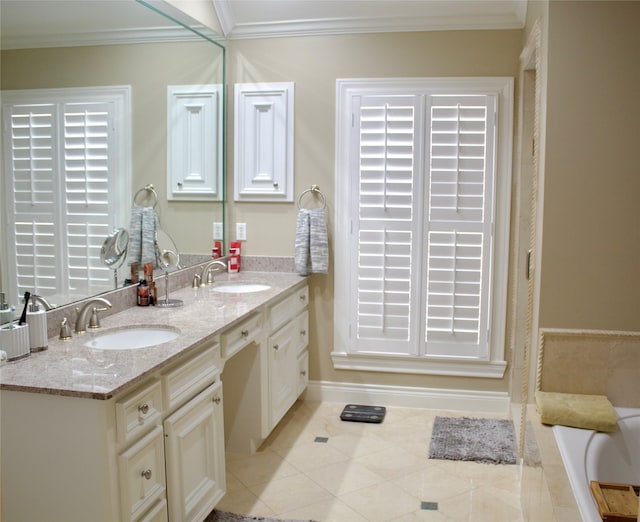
<point x="71" y="369"/>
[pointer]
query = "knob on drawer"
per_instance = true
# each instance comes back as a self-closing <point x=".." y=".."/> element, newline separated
<point x="147" y="474"/>
<point x="143" y="408"/>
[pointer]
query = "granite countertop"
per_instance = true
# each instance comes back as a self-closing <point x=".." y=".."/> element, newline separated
<point x="69" y="368"/>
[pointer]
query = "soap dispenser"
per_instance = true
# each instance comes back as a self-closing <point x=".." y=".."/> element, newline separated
<point x="37" y="321"/>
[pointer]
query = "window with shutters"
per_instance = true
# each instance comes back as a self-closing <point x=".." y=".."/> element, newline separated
<point x="422" y="220"/>
<point x="67" y="183"/>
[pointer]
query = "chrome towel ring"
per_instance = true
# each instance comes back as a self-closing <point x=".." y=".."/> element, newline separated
<point x="145" y="189"/>
<point x="313" y="189"/>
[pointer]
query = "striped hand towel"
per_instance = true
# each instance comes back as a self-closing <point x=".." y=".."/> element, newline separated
<point x="142" y="232"/>
<point x="311" y="254"/>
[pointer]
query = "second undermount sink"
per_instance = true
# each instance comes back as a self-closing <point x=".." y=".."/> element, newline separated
<point x="133" y="337"/>
<point x="240" y="287"/>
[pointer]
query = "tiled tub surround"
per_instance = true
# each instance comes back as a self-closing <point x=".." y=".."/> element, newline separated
<point x="70" y="368"/>
<point x="574" y="361"/>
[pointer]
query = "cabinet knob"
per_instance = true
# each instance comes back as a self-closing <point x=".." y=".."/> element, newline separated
<point x="303" y="373"/>
<point x="146" y="474"/>
<point x="244" y="333"/>
<point x="216" y="400"/>
<point x="303" y="332"/>
<point x="303" y="298"/>
<point x="276" y="347"/>
<point x="143" y="408"/>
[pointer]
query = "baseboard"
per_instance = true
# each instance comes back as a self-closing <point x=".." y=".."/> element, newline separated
<point x="409" y="397"/>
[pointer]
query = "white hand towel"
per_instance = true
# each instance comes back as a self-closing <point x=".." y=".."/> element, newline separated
<point x="134" y="248"/>
<point x="311" y="253"/>
<point x="149" y="226"/>
<point x="319" y="244"/>
<point x="302" y="254"/>
<point x="142" y="233"/>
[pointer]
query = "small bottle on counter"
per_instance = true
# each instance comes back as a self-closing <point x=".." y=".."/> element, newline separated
<point x="148" y="275"/>
<point x="143" y="293"/>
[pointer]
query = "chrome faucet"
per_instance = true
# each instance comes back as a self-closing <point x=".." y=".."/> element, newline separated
<point x="81" y="319"/>
<point x="39" y="299"/>
<point x="206" y="277"/>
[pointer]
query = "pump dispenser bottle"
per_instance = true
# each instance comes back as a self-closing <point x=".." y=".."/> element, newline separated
<point x="37" y="321"/>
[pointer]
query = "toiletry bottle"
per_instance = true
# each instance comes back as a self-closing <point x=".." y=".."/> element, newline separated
<point x="37" y="321"/>
<point x="143" y="293"/>
<point x="148" y="275"/>
<point x="216" y="252"/>
<point x="235" y="256"/>
<point x="6" y="312"/>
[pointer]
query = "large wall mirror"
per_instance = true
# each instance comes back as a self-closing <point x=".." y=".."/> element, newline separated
<point x="146" y="48"/>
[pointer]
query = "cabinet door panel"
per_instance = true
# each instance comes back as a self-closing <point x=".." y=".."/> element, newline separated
<point x="283" y="370"/>
<point x="194" y="448"/>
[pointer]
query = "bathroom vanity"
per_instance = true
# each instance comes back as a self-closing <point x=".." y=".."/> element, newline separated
<point x="139" y="435"/>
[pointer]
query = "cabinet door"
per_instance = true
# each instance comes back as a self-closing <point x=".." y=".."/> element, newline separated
<point x="194" y="452"/>
<point x="283" y="370"/>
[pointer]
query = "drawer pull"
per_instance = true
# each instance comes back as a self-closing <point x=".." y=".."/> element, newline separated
<point x="143" y="408"/>
<point x="302" y="298"/>
<point x="244" y="333"/>
<point x="303" y="373"/>
<point x="216" y="400"/>
<point x="276" y="347"/>
<point x="303" y="332"/>
<point x="146" y="474"/>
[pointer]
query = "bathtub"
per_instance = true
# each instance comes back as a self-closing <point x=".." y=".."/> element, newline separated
<point x="607" y="457"/>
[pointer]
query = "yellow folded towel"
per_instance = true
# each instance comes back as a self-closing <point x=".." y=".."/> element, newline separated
<point x="591" y="412"/>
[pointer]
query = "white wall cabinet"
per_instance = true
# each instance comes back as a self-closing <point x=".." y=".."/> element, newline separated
<point x="152" y="454"/>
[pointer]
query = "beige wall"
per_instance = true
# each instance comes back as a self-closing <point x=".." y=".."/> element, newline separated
<point x="591" y="234"/>
<point x="314" y="64"/>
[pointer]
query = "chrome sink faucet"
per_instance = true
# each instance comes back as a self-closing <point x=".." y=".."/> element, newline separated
<point x="206" y="276"/>
<point x="81" y="319"/>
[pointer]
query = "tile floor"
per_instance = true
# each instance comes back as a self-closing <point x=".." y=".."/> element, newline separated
<point x="315" y="466"/>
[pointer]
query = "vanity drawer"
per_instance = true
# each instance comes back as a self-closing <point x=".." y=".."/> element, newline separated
<point x="282" y="312"/>
<point x="137" y="412"/>
<point x="142" y="479"/>
<point x="189" y="378"/>
<point x="236" y="338"/>
<point x="158" y="513"/>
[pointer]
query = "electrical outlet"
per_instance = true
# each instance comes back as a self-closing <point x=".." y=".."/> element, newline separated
<point x="241" y="231"/>
<point x="217" y="231"/>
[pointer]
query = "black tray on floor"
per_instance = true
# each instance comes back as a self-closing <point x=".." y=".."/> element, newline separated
<point x="360" y="413"/>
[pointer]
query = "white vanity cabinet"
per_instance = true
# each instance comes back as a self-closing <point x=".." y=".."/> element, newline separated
<point x="287" y="352"/>
<point x="265" y="369"/>
<point x="153" y="453"/>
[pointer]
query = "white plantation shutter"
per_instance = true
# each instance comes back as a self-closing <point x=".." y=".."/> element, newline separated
<point x="417" y="186"/>
<point x="88" y="163"/>
<point x="459" y="222"/>
<point x="384" y="226"/>
<point x="61" y="170"/>
<point x="33" y="204"/>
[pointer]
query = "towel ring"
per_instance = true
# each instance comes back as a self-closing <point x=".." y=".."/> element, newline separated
<point x="147" y="188"/>
<point x="314" y="189"/>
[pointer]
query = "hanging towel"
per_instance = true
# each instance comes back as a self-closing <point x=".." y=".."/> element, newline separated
<point x="142" y="233"/>
<point x="311" y="253"/>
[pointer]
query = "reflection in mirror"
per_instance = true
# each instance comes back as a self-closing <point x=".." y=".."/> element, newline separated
<point x="145" y="55"/>
<point x="114" y="251"/>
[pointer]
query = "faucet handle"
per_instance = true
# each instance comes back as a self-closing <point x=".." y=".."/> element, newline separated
<point x="94" y="321"/>
<point x="65" y="329"/>
<point x="196" y="281"/>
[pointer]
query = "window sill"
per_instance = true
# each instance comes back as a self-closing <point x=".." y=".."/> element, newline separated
<point x="457" y="367"/>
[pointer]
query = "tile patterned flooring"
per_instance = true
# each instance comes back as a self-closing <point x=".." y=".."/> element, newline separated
<point x="315" y="466"/>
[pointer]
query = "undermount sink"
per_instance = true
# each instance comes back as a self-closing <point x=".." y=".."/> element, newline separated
<point x="133" y="338"/>
<point x="240" y="287"/>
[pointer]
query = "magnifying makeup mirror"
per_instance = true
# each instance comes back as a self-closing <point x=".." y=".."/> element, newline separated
<point x="167" y="257"/>
<point x="114" y="251"/>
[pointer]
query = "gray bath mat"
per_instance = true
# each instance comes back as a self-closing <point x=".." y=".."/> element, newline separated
<point x="224" y="516"/>
<point x="482" y="440"/>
